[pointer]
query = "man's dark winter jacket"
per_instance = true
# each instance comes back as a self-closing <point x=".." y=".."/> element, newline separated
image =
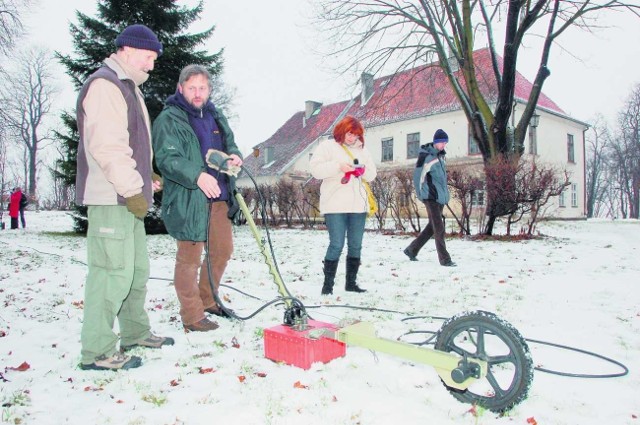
<point x="430" y="182"/>
<point x="180" y="161"/>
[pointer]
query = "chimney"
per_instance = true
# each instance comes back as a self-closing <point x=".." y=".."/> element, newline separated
<point x="366" y="81"/>
<point x="310" y="107"/>
<point x="454" y="65"/>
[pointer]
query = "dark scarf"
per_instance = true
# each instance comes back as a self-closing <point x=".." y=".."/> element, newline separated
<point x="208" y="133"/>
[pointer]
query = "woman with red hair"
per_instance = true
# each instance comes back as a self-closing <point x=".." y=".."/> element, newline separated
<point x="343" y="164"/>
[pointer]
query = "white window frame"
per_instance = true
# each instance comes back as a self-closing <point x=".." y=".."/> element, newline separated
<point x="571" y="149"/>
<point x="386" y="149"/>
<point x="472" y="145"/>
<point x="574" y="195"/>
<point x="416" y="141"/>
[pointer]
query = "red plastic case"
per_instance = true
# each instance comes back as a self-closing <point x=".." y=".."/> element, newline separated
<point x="285" y="344"/>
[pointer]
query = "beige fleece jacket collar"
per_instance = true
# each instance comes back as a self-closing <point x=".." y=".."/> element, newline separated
<point x="124" y="71"/>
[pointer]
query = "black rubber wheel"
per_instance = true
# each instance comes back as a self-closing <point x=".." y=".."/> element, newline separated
<point x="484" y="336"/>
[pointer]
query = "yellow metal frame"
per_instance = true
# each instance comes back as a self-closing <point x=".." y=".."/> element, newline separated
<point x="362" y="334"/>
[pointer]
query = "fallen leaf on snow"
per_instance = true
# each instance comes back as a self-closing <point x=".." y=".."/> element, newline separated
<point x="300" y="385"/>
<point x="473" y="411"/>
<point x="24" y="366"/>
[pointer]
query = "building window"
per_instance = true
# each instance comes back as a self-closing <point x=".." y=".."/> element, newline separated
<point x="533" y="133"/>
<point x="387" y="149"/>
<point x="574" y="195"/>
<point x="477" y="198"/>
<point x="561" y="200"/>
<point x="404" y="200"/>
<point x="474" y="148"/>
<point x="413" y="145"/>
<point x="570" y="149"/>
<point x="533" y="140"/>
<point x="268" y="155"/>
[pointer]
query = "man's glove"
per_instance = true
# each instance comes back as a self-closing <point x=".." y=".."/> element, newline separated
<point x="157" y="178"/>
<point x="219" y="160"/>
<point x="137" y="205"/>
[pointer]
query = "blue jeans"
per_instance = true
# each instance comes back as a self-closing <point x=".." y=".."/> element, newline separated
<point x="339" y="225"/>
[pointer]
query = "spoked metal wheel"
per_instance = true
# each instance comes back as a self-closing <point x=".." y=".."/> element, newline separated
<point x="482" y="335"/>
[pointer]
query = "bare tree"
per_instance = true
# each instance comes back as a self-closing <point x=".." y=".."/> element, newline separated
<point x="4" y="178"/>
<point x="311" y="200"/>
<point x="536" y="184"/>
<point x="62" y="194"/>
<point x="27" y="96"/>
<point x="406" y="198"/>
<point x="11" y="28"/>
<point x="384" y="191"/>
<point x="597" y="178"/>
<point x="373" y="34"/>
<point x="626" y="154"/>
<point x="287" y="197"/>
<point x="465" y="185"/>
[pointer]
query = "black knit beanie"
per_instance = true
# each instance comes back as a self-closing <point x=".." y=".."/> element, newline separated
<point x="139" y="37"/>
<point x="440" y="136"/>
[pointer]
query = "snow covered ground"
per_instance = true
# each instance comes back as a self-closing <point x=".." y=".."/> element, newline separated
<point x="577" y="286"/>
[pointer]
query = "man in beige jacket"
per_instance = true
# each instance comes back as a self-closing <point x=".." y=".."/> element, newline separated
<point x="116" y="182"/>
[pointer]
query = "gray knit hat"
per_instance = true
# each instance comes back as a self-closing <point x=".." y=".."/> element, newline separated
<point x="139" y="37"/>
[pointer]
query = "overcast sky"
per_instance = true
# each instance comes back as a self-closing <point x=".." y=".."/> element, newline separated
<point x="269" y="59"/>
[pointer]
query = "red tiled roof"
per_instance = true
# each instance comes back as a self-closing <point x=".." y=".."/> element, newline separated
<point x="425" y="90"/>
<point x="293" y="138"/>
<point x="420" y="91"/>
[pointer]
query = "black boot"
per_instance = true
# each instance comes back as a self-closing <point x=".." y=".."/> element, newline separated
<point x="353" y="264"/>
<point x="330" y="267"/>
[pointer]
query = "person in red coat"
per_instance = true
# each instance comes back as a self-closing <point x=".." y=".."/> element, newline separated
<point x="14" y="207"/>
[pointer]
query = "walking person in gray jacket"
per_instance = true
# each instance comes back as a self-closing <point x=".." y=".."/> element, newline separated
<point x="430" y="183"/>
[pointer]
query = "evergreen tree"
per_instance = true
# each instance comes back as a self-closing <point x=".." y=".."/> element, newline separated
<point x="93" y="40"/>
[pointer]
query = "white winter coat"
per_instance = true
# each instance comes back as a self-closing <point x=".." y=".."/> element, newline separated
<point x="336" y="197"/>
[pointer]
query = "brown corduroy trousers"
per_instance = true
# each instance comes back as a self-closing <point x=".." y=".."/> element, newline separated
<point x="194" y="292"/>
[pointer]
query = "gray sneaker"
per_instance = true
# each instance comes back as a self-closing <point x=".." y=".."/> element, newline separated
<point x="153" y="341"/>
<point x="116" y="362"/>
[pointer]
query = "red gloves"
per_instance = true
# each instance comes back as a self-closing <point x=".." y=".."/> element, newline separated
<point x="357" y="172"/>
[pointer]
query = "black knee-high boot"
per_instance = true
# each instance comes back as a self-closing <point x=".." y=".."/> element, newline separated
<point x="330" y="267"/>
<point x="353" y="264"/>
